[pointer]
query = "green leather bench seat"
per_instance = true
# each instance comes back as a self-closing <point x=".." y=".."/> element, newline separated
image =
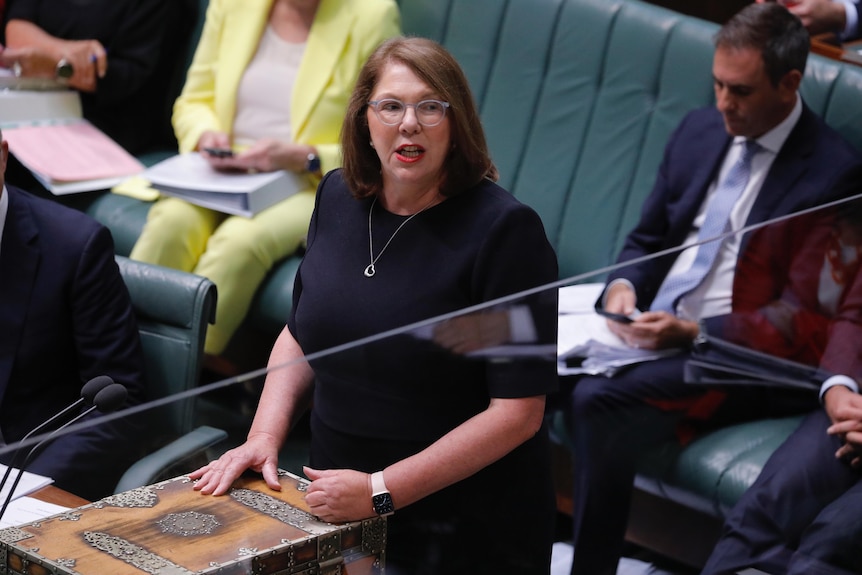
<point x="578" y="98"/>
<point x="712" y="472"/>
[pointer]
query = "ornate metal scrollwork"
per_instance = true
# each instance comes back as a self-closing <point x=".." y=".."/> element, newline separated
<point x="281" y="511"/>
<point x="140" y="497"/>
<point x="133" y="554"/>
<point x="13" y="535"/>
<point x="188" y="523"/>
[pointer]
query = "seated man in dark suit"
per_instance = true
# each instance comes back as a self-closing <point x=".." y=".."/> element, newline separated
<point x="798" y="295"/>
<point x="759" y="154"/>
<point x="65" y="318"/>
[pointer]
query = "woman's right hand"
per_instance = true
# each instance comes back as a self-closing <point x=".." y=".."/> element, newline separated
<point x="89" y="61"/>
<point x="259" y="453"/>
<point x="213" y="140"/>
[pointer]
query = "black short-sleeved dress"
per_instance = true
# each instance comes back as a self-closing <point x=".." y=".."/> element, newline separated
<point x="385" y="400"/>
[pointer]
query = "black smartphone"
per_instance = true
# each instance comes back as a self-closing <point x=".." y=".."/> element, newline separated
<point x="219" y="152"/>
<point x="614" y="316"/>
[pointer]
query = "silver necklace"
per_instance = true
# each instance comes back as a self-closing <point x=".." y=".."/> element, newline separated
<point x="369" y="269"/>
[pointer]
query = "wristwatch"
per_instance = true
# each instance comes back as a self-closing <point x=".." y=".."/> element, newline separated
<point x="64" y="69"/>
<point x="381" y="500"/>
<point x="312" y="164"/>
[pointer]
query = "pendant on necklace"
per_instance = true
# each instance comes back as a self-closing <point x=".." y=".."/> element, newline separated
<point x="369" y="271"/>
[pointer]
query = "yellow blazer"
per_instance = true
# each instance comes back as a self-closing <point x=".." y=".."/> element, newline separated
<point x="342" y="36"/>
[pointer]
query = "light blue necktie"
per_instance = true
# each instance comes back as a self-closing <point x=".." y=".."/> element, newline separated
<point x="715" y="223"/>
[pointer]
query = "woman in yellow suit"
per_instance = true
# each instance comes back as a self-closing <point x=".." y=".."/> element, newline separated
<point x="270" y="80"/>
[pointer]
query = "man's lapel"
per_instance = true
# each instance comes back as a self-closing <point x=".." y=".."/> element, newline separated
<point x="780" y="191"/>
<point x="19" y="261"/>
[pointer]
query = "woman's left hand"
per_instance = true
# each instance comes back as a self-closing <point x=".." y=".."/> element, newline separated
<point x="339" y="495"/>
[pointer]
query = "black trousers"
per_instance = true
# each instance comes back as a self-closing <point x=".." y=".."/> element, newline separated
<point x="803" y="515"/>
<point x="615" y="421"/>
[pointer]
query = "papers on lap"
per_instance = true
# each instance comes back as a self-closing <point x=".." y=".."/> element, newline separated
<point x="71" y="155"/>
<point x="190" y="177"/>
<point x="585" y="345"/>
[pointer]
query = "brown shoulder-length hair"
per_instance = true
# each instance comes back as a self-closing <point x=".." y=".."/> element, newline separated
<point x="468" y="160"/>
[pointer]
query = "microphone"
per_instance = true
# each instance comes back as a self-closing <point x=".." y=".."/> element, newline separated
<point x="108" y="399"/>
<point x="88" y="394"/>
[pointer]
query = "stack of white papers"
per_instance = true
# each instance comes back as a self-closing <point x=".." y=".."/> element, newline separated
<point x="24" y="509"/>
<point x="24" y="106"/>
<point x="28" y="483"/>
<point x="28" y="509"/>
<point x="584" y="336"/>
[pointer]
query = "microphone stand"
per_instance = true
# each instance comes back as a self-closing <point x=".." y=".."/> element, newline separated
<point x="108" y="399"/>
<point x="88" y="394"/>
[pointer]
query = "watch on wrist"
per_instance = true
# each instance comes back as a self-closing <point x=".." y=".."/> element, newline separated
<point x="312" y="164"/>
<point x="381" y="500"/>
<point x="64" y="69"/>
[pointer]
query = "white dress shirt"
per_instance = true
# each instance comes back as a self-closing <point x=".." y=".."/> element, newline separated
<point x="851" y="26"/>
<point x="4" y="209"/>
<point x="713" y="296"/>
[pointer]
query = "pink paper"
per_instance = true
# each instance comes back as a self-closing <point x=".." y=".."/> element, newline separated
<point x="70" y="152"/>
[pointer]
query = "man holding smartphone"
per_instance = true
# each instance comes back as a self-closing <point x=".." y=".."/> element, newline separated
<point x="759" y="154"/>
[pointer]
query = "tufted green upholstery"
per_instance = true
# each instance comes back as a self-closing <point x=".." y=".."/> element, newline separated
<point x="578" y="98"/>
<point x="173" y="310"/>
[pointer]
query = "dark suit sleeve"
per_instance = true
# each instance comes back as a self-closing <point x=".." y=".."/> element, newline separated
<point x="106" y="338"/>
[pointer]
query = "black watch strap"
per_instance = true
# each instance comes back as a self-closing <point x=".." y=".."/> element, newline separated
<point x="312" y="164"/>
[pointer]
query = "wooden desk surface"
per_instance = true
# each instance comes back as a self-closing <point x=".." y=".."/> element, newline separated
<point x="57" y="496"/>
<point x="827" y="45"/>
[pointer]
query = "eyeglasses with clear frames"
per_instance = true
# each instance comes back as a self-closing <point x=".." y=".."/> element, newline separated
<point x="390" y="111"/>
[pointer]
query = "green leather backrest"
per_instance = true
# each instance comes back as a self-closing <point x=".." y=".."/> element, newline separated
<point x="834" y="91"/>
<point x="579" y="97"/>
<point x="173" y="310"/>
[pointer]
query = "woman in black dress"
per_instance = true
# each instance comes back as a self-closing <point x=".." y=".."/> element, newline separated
<point x="411" y="228"/>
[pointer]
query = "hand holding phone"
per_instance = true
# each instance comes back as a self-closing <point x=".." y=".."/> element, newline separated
<point x="618" y="317"/>
<point x="219" y="152"/>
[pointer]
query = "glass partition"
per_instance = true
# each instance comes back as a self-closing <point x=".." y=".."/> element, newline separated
<point x="789" y="322"/>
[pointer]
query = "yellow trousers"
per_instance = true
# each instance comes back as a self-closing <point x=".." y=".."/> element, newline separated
<point x="234" y="252"/>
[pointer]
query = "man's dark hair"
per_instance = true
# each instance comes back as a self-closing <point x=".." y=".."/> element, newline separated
<point x="769" y="28"/>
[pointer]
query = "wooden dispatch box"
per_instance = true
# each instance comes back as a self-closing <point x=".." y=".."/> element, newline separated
<point x="170" y="529"/>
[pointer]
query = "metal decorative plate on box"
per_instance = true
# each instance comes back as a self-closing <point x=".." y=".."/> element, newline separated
<point x="170" y="529"/>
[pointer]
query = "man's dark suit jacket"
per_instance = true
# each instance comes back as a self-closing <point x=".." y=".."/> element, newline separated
<point x="858" y="33"/>
<point x="65" y="317"/>
<point x="815" y="165"/>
